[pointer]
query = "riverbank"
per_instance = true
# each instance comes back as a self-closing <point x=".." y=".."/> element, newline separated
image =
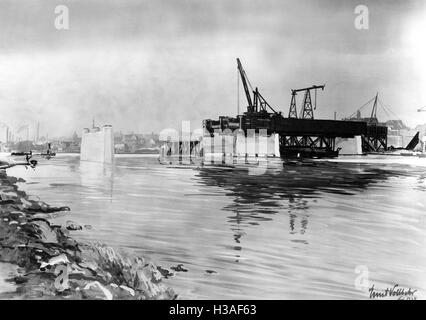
<point x="45" y="262"/>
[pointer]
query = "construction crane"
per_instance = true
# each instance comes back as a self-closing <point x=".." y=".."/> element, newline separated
<point x="307" y="111"/>
<point x="373" y="117"/>
<point x="258" y="104"/>
<point x="245" y="81"/>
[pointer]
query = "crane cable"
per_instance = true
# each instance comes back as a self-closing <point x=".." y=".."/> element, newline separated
<point x="383" y="106"/>
<point x="248" y="81"/>
<point x="363" y="106"/>
<point x="238" y="92"/>
<point x="385" y="110"/>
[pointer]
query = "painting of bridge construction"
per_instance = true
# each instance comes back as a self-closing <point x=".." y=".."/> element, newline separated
<point x="212" y="154"/>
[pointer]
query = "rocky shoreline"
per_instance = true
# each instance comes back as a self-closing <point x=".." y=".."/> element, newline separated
<point x="50" y="264"/>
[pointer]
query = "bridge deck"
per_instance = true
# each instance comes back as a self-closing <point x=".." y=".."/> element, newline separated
<point x="290" y="126"/>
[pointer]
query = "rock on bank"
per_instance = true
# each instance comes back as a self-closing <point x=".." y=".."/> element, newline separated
<point x="52" y="265"/>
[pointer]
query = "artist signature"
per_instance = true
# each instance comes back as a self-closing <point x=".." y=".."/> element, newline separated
<point x="396" y="291"/>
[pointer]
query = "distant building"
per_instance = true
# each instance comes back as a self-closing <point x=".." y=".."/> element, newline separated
<point x="422" y="129"/>
<point x="399" y="135"/>
<point x="120" y="148"/>
<point x="75" y="137"/>
<point x="69" y="146"/>
<point x="132" y="142"/>
<point x="136" y="143"/>
<point x="396" y="125"/>
<point x="24" y="146"/>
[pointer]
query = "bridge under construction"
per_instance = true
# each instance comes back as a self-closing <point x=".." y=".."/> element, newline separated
<point x="300" y="135"/>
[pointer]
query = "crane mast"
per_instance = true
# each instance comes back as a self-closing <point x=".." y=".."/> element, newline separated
<point x="307" y="111"/>
<point x="373" y="117"/>
<point x="259" y="103"/>
<point x="244" y="80"/>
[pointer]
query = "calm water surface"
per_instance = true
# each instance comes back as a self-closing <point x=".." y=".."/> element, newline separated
<point x="295" y="231"/>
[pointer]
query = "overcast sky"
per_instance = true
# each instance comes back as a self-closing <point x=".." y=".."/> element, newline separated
<point x="146" y="65"/>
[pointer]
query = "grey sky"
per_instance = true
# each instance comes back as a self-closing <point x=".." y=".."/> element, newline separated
<point x="146" y="65"/>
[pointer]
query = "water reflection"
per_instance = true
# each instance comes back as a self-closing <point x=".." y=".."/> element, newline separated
<point x="295" y="231"/>
<point x="421" y="182"/>
<point x="95" y="175"/>
<point x="289" y="187"/>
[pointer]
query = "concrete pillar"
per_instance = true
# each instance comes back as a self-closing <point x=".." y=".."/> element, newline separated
<point x="251" y="143"/>
<point x="240" y="145"/>
<point x="262" y="143"/>
<point x="109" y="144"/>
<point x="97" y="145"/>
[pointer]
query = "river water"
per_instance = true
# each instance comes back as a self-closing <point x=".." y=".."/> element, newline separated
<point x="292" y="231"/>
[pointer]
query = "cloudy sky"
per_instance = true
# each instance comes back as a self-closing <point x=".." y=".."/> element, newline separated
<point x="146" y="65"/>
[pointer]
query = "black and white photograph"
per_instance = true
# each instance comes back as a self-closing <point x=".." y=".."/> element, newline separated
<point x="212" y="150"/>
